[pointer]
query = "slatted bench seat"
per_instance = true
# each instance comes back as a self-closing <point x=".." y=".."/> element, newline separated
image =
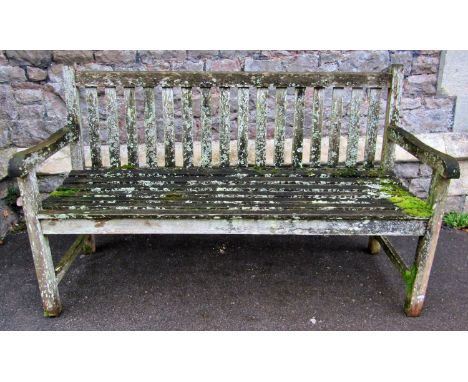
<point x="192" y="171"/>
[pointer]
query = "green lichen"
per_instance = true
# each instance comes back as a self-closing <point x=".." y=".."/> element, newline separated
<point x="128" y="167"/>
<point x="408" y="277"/>
<point x="173" y="196"/>
<point x="266" y="170"/>
<point x="409" y="203"/>
<point x="346" y="172"/>
<point x="65" y="192"/>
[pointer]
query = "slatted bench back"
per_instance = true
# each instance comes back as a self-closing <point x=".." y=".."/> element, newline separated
<point x="125" y="123"/>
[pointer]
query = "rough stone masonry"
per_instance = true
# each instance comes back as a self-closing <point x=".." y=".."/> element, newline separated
<point x="32" y="102"/>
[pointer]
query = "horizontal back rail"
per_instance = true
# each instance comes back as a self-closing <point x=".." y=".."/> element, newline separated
<point x="230" y="79"/>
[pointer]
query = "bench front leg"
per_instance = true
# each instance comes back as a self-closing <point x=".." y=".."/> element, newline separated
<point x="40" y="248"/>
<point x="418" y="277"/>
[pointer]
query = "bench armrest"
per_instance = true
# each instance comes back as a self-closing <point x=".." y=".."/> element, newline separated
<point x="444" y="164"/>
<point x="25" y="161"/>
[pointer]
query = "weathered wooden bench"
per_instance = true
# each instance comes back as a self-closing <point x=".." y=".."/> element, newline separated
<point x="207" y="181"/>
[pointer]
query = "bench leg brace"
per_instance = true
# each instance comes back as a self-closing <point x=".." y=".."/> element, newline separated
<point x="418" y="277"/>
<point x="39" y="246"/>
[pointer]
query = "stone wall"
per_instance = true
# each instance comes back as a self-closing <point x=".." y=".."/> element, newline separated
<point x="32" y="105"/>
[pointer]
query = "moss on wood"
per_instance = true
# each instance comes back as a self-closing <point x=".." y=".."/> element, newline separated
<point x="403" y="199"/>
<point x="65" y="192"/>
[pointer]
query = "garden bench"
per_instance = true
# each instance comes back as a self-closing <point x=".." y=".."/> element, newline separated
<point x="135" y="174"/>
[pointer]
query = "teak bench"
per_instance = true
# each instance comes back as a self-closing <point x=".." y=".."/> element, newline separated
<point x="201" y="177"/>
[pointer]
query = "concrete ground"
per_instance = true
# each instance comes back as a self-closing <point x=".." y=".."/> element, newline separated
<point x="234" y="283"/>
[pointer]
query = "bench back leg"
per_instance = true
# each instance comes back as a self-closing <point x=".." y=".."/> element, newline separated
<point x="40" y="248"/>
<point x="418" y="277"/>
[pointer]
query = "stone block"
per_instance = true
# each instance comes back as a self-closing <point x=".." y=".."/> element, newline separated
<point x="223" y="65"/>
<point x="407" y="170"/>
<point x="420" y="186"/>
<point x="307" y="62"/>
<point x="425" y="65"/>
<point x="252" y="65"/>
<point x="39" y="58"/>
<point x="11" y="74"/>
<point x="36" y="74"/>
<point x="28" y="96"/>
<point x="5" y="156"/>
<point x="70" y="57"/>
<point x="151" y="56"/>
<point x="420" y="84"/>
<point x="112" y="57"/>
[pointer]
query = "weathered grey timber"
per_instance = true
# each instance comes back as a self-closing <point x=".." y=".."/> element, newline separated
<point x="335" y="127"/>
<point x="319" y="197"/>
<point x="93" y="124"/>
<point x="317" y="122"/>
<point x="206" y="146"/>
<point x="260" y="138"/>
<point x="187" y="120"/>
<point x="372" y="126"/>
<point x="280" y="126"/>
<point x="298" y="136"/>
<point x="150" y="128"/>
<point x="130" y="121"/>
<point x="242" y="125"/>
<point x="224" y="128"/>
<point x="113" y="127"/>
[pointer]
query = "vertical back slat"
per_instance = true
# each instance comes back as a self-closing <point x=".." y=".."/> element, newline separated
<point x="317" y="122"/>
<point x="335" y="127"/>
<point x="169" y="127"/>
<point x="298" y="131"/>
<point x="130" y="123"/>
<point x="353" y="130"/>
<point x="150" y="128"/>
<point x="392" y="115"/>
<point x="224" y="128"/>
<point x="187" y="121"/>
<point x="206" y="145"/>
<point x="93" y="125"/>
<point x="372" y="126"/>
<point x="242" y="126"/>
<point x="260" y="136"/>
<point x="280" y="122"/>
<point x="113" y="127"/>
<point x="72" y="102"/>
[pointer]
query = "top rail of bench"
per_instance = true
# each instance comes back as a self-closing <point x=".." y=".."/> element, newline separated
<point x="230" y="79"/>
